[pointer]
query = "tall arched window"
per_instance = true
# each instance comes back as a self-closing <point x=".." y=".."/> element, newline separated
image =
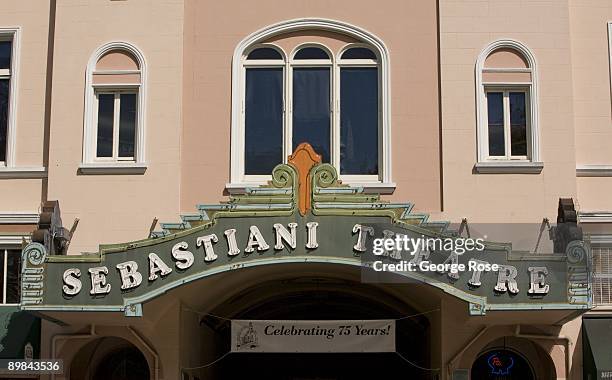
<point x="331" y="93"/>
<point x="114" y="108"/>
<point x="508" y="136"/>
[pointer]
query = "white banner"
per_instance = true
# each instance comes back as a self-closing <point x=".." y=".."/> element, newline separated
<point x="313" y="336"/>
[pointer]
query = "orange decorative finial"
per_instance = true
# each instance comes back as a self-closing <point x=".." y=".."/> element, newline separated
<point x="303" y="159"/>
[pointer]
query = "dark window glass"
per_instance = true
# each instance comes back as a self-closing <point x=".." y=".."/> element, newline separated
<point x="106" y="111"/>
<point x="4" y="109"/>
<point x="518" y="124"/>
<point x="264" y="53"/>
<point x="5" y="54"/>
<point x="358" y="53"/>
<point x="311" y="113"/>
<point x="13" y="270"/>
<point x="127" y="125"/>
<point x="263" y="142"/>
<point x="495" y="112"/>
<point x="311" y="53"/>
<point x="359" y="120"/>
<point x="501" y="365"/>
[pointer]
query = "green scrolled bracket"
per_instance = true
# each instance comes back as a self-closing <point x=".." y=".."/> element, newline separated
<point x="283" y="176"/>
<point x="323" y="176"/>
<point x="33" y="256"/>
<point x="579" y="263"/>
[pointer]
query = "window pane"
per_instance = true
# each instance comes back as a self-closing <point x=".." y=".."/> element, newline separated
<point x="264" y="53"/>
<point x="495" y="112"/>
<point x="106" y="110"/>
<point x="359" y="120"/>
<point x="358" y="53"/>
<point x="311" y="113"/>
<point x="127" y="125"/>
<point x="4" y="108"/>
<point x="263" y="142"/>
<point x="518" y="124"/>
<point x="13" y="269"/>
<point x="311" y="53"/>
<point x="5" y="54"/>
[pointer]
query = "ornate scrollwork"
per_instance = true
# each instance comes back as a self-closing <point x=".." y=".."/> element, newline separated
<point x="35" y="254"/>
<point x="575" y="251"/>
<point x="325" y="175"/>
<point x="283" y="176"/>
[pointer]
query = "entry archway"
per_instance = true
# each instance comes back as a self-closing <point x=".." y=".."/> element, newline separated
<point x="109" y="358"/>
<point x="316" y="298"/>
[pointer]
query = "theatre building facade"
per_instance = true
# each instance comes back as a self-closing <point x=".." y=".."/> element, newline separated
<point x="305" y="189"/>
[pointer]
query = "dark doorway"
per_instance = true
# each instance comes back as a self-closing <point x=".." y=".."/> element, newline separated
<point x="502" y="364"/>
<point x="127" y="363"/>
<point x="412" y="342"/>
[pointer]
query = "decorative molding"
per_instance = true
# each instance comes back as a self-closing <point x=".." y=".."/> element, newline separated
<point x="508" y="167"/>
<point x="113" y="168"/>
<point x="601" y="240"/>
<point x="8" y="172"/>
<point x="11" y="130"/>
<point x="481" y="128"/>
<point x="32" y="274"/>
<point x="303" y="159"/>
<point x="593" y="170"/>
<point x="237" y="128"/>
<point x="14" y="239"/>
<point x="365" y="187"/>
<point x="595" y="216"/>
<point x="89" y="128"/>
<point x="19" y="217"/>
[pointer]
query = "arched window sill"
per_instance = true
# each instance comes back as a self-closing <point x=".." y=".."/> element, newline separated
<point x="508" y="167"/>
<point x="112" y="168"/>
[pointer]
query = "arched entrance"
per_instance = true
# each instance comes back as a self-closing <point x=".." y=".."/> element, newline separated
<point x="502" y="364"/>
<point x="316" y="298"/>
<point x="109" y="358"/>
<point x="510" y="358"/>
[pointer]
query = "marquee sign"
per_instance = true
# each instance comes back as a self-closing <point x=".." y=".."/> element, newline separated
<point x="304" y="215"/>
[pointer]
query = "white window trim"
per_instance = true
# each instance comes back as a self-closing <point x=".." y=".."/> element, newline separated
<point x="610" y="56"/>
<point x="485" y="165"/>
<point x="90" y="163"/>
<point x="238" y="182"/>
<point x="11" y="130"/>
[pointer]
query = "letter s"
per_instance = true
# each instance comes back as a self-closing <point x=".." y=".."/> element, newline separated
<point x="72" y="284"/>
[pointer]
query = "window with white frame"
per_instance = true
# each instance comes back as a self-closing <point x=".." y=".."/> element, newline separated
<point x="507" y="104"/>
<point x="330" y="101"/>
<point x="10" y="269"/>
<point x="114" y="123"/>
<point x="507" y="123"/>
<point x="8" y="68"/>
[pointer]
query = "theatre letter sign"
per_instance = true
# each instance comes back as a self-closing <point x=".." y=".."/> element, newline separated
<point x="305" y="215"/>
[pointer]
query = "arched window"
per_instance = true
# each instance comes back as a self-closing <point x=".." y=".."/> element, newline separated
<point x="114" y="119"/>
<point x="331" y="93"/>
<point x="508" y="136"/>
